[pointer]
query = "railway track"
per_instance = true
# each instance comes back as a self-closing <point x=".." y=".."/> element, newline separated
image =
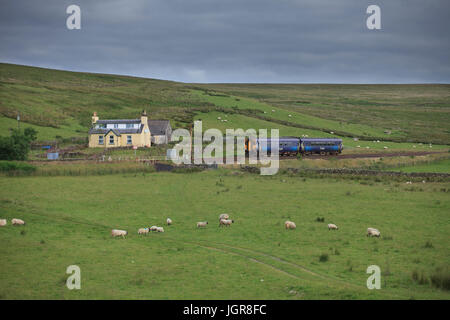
<point x="357" y="155"/>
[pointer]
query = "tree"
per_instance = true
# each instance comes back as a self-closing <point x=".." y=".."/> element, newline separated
<point x="17" y="146"/>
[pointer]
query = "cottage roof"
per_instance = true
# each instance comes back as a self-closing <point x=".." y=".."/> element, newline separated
<point x="117" y="132"/>
<point x="158" y="127"/>
<point x="134" y="121"/>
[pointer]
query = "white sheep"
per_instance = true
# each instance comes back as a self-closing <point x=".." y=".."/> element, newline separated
<point x="290" y="225"/>
<point x="118" y="233"/>
<point x="160" y="229"/>
<point x="372" y="232"/>
<point x="17" y="221"/>
<point x="224" y="216"/>
<point x="202" y="224"/>
<point x="332" y="226"/>
<point x="169" y="221"/>
<point x="153" y="228"/>
<point x="3" y="222"/>
<point x="143" y="231"/>
<point x="225" y="222"/>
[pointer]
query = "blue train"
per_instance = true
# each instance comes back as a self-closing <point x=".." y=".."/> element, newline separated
<point x="295" y="145"/>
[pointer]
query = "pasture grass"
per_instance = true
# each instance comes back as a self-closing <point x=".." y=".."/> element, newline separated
<point x="69" y="221"/>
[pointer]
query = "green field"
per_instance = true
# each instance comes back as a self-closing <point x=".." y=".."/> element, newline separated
<point x="438" y="166"/>
<point x="255" y="258"/>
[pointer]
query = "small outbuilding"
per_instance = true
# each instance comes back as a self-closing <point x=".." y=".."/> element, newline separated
<point x="161" y="131"/>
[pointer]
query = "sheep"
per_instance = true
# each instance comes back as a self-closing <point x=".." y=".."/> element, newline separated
<point x="169" y="221"/>
<point x="358" y="146"/>
<point x="202" y="224"/>
<point x="290" y="225"/>
<point x="408" y="182"/>
<point x="331" y="132"/>
<point x="332" y="226"/>
<point x="290" y="115"/>
<point x="224" y="216"/>
<point x="17" y="221"/>
<point x="118" y="233"/>
<point x="225" y="222"/>
<point x="385" y="147"/>
<point x="143" y="231"/>
<point x="3" y="222"/>
<point x="372" y="232"/>
<point x="160" y="229"/>
<point x="153" y="228"/>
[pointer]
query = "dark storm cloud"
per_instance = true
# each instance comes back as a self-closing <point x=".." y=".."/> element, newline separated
<point x="234" y="40"/>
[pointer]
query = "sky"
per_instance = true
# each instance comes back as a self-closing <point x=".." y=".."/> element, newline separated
<point x="252" y="41"/>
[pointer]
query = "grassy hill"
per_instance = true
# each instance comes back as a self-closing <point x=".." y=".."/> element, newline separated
<point x="60" y="103"/>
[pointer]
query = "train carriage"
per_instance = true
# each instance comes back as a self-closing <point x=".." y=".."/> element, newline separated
<point x="321" y="145"/>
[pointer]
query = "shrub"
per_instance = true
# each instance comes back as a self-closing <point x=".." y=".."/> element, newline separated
<point x="17" y="145"/>
<point x="12" y="167"/>
<point x="440" y="278"/>
<point x="428" y="245"/>
<point x="323" y="257"/>
<point x="319" y="219"/>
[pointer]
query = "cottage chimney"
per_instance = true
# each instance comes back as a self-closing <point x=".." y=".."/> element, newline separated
<point x="144" y="118"/>
<point x="94" y="118"/>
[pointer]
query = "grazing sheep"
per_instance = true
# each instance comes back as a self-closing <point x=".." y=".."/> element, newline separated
<point x="224" y="216"/>
<point x="290" y="225"/>
<point x="202" y="224"/>
<point x="385" y="147"/>
<point x="3" y="222"/>
<point x="408" y="182"/>
<point x="160" y="229"/>
<point x="153" y="228"/>
<point x="118" y="233"/>
<point x="372" y="232"/>
<point x="143" y="231"/>
<point x="169" y="221"/>
<point x="17" y="221"/>
<point x="290" y="115"/>
<point x="358" y="146"/>
<point x="332" y="226"/>
<point x="225" y="222"/>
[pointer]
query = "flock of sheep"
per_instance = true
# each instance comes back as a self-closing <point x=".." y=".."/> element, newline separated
<point x="14" y="221"/>
<point x="371" y="232"/>
<point x="224" y="220"/>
